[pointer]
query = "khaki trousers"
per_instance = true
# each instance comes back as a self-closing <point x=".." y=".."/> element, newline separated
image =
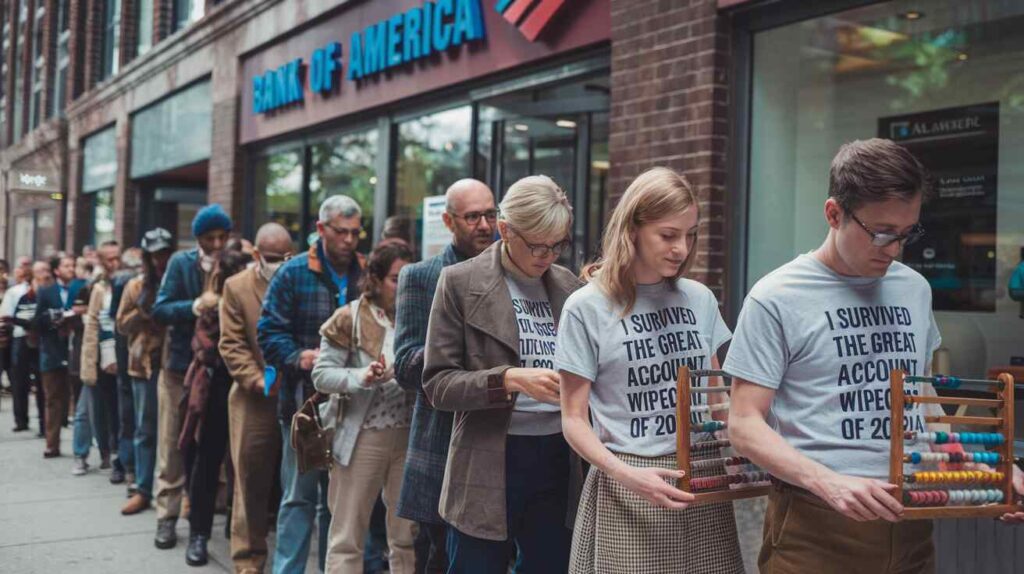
<point x="57" y="390"/>
<point x="803" y="534"/>
<point x="255" y="439"/>
<point x="375" y="467"/>
<point x="170" y="476"/>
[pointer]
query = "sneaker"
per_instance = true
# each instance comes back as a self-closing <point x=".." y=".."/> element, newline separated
<point x="20" y="428"/>
<point x="51" y="453"/>
<point x="116" y="476"/>
<point x="80" y="467"/>
<point x="105" y="461"/>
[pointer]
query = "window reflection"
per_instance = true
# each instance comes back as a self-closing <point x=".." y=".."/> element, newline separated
<point x="432" y="152"/>
<point x="347" y="166"/>
<point x="278" y="191"/>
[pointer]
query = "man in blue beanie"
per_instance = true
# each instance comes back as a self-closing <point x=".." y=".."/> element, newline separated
<point x="182" y="298"/>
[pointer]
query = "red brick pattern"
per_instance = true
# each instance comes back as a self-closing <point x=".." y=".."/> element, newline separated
<point x="670" y="101"/>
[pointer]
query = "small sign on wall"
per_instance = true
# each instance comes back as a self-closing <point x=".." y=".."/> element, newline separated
<point x="435" y="235"/>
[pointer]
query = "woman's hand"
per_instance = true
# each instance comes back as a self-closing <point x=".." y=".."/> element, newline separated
<point x="377" y="372"/>
<point x="649" y="483"/>
<point x="540" y="384"/>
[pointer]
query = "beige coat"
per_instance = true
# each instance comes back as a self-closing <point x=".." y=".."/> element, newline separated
<point x="89" y="368"/>
<point x="240" y="307"/>
<point x="472" y="339"/>
<point x="145" y="336"/>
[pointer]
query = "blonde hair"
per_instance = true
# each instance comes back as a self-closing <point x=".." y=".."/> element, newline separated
<point x="536" y="206"/>
<point x="654" y="195"/>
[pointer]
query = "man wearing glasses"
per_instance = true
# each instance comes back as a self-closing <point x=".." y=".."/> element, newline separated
<point x="303" y="294"/>
<point x="471" y="217"/>
<point x="813" y="345"/>
<point x="255" y="437"/>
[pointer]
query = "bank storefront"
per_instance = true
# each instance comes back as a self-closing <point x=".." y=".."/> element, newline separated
<point x="391" y="101"/>
<point x="945" y="79"/>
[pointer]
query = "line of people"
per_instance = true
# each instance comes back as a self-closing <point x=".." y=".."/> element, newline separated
<point x="489" y="408"/>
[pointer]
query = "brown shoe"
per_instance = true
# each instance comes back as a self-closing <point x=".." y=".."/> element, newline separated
<point x="136" y="504"/>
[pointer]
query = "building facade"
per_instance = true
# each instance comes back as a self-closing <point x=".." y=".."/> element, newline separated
<point x="118" y="115"/>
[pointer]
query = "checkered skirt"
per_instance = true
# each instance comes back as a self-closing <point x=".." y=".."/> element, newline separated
<point x="617" y="531"/>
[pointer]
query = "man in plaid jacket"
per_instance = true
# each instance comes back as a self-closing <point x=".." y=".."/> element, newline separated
<point x="303" y="294"/>
<point x="470" y="215"/>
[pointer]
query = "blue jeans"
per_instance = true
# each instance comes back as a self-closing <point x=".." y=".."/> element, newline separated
<point x="144" y="397"/>
<point x="536" y="500"/>
<point x="126" y="423"/>
<point x="303" y="500"/>
<point x="90" y="413"/>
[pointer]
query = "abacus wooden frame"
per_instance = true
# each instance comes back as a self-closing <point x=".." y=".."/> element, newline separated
<point x="1003" y="421"/>
<point x="683" y="451"/>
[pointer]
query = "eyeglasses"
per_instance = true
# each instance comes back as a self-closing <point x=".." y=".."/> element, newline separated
<point x="354" y="233"/>
<point x="541" y="250"/>
<point x="887" y="239"/>
<point x="473" y="218"/>
<point x="271" y="258"/>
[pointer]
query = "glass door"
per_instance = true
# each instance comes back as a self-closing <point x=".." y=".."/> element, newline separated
<point x="560" y="131"/>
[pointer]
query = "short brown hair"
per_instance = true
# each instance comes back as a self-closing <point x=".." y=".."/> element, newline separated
<point x="866" y="171"/>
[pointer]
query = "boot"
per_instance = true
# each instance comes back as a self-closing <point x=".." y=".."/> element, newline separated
<point x="196" y="554"/>
<point x="166" y="537"/>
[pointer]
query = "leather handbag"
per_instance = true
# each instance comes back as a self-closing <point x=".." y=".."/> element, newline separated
<point x="310" y="440"/>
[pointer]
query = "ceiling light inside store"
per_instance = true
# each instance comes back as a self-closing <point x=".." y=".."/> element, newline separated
<point x="373" y="180"/>
<point x="601" y="165"/>
<point x="912" y="15"/>
<point x="962" y="56"/>
<point x="568" y="124"/>
<point x="449" y="146"/>
<point x="521" y="127"/>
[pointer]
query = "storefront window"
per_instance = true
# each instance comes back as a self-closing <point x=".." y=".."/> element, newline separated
<point x="431" y="153"/>
<point x="277" y="182"/>
<point x="947" y="83"/>
<point x="102" y="216"/>
<point x="173" y="132"/>
<point x="346" y="165"/>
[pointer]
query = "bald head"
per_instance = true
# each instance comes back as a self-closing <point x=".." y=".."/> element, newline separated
<point x="273" y="238"/>
<point x="467" y="191"/>
<point x="466" y="201"/>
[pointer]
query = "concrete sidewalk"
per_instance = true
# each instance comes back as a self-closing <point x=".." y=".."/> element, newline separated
<point x="51" y="521"/>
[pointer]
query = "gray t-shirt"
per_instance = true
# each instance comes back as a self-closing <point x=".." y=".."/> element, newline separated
<point x="537" y="336"/>
<point x="826" y="343"/>
<point x="633" y="361"/>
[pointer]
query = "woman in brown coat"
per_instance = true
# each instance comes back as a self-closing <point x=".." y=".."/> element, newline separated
<point x="510" y="475"/>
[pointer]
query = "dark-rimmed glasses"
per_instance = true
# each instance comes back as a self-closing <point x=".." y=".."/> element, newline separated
<point x="887" y="239"/>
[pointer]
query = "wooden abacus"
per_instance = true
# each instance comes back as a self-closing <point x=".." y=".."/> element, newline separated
<point x="955" y="492"/>
<point x="744" y="480"/>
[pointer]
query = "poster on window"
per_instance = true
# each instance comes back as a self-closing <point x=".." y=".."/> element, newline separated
<point x="960" y="148"/>
<point x="435" y="235"/>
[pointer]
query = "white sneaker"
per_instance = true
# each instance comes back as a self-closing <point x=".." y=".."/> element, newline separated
<point x="81" y="467"/>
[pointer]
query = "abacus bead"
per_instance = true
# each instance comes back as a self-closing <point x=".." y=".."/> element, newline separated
<point x="915" y="457"/>
<point x="954" y="437"/>
<point x="945" y="498"/>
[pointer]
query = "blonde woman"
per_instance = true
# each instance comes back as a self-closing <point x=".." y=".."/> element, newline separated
<point x="510" y="478"/>
<point x="621" y="340"/>
<point x="356" y="361"/>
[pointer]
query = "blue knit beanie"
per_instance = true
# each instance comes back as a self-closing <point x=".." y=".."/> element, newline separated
<point x="209" y="218"/>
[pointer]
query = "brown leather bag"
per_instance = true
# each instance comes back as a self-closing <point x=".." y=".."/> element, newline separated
<point x="310" y="440"/>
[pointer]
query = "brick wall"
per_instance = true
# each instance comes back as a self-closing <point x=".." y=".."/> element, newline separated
<point x="129" y="31"/>
<point x="92" y="42"/>
<point x="670" y="100"/>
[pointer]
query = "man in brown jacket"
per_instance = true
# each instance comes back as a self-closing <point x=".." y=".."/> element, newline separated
<point x="255" y="438"/>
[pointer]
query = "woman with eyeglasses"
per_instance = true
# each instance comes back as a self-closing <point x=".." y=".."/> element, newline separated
<point x="511" y="478"/>
<point x="621" y="342"/>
